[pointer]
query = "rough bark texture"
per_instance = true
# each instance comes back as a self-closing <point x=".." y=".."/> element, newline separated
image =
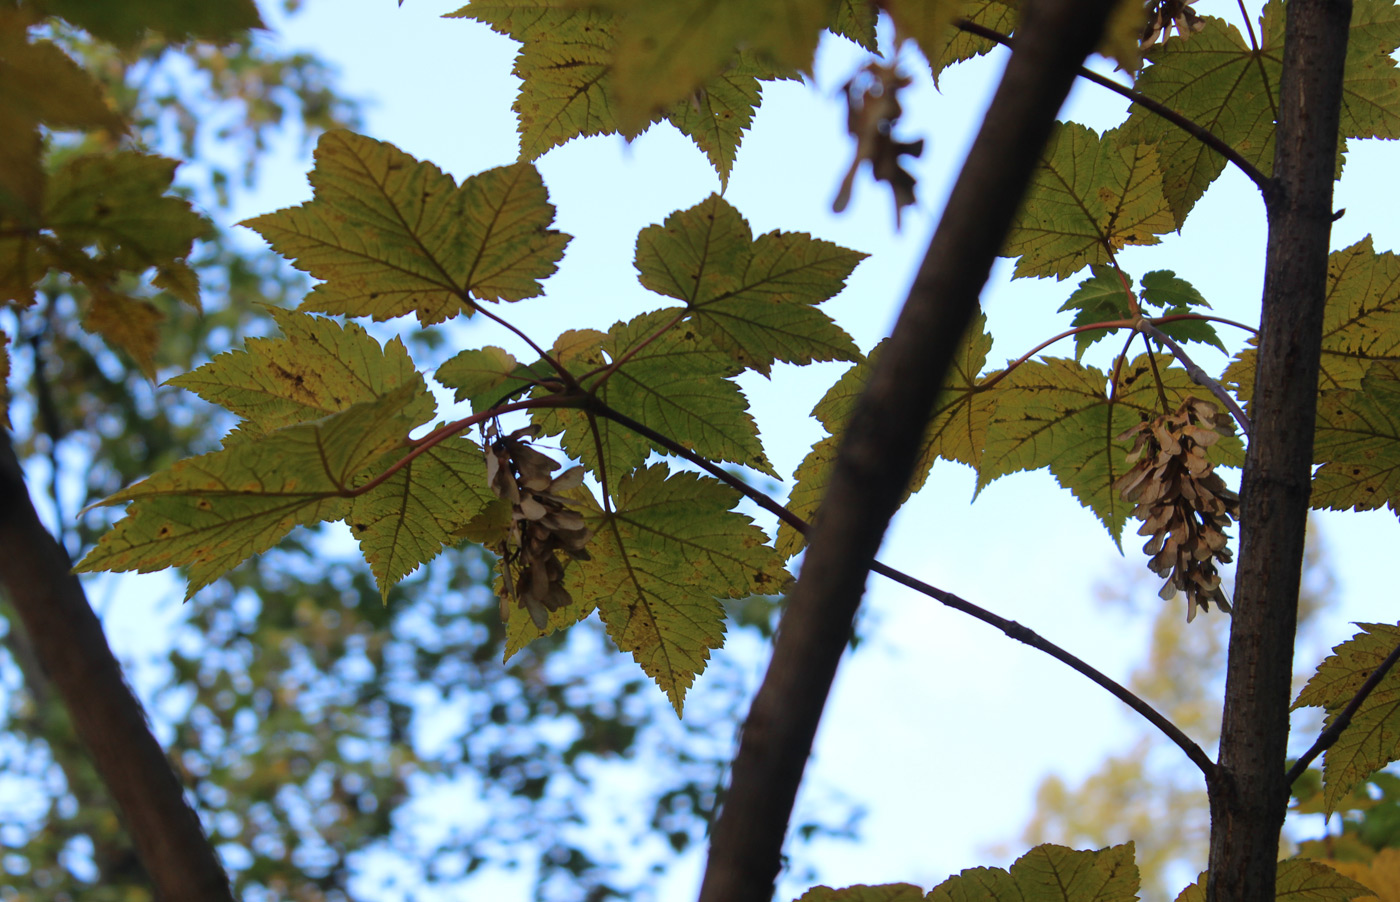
<point x="880" y="445"/>
<point x="1250" y="794"/>
<point x="69" y="645"/>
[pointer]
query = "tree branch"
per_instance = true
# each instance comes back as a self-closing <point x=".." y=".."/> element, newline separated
<point x="879" y="447"/>
<point x="1190" y="126"/>
<point x="1342" y="720"/>
<point x="68" y="641"/>
<point x="1010" y="627"/>
<point x="1249" y="798"/>
<point x="1198" y="375"/>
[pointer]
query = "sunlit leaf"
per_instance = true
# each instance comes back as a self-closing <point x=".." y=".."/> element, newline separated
<point x="484" y="375"/>
<point x="662" y="559"/>
<point x="390" y="235"/>
<point x="755" y="299"/>
<point x="319" y="367"/>
<point x="1298" y="880"/>
<point x="1092" y="195"/>
<point x="889" y="892"/>
<point x="130" y="324"/>
<point x="1049" y="873"/>
<point x="1381" y="875"/>
<point x="210" y="513"/>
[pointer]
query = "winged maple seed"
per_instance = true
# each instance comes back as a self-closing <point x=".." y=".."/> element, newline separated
<point x="541" y="526"/>
<point x="871" y="117"/>
<point x="1185" y="507"/>
<point x="1163" y="15"/>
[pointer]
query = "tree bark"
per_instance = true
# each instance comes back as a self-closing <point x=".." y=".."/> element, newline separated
<point x="69" y="644"/>
<point x="1249" y="795"/>
<point x="881" y="443"/>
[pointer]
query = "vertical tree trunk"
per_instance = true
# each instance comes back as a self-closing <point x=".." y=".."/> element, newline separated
<point x="881" y="443"/>
<point x="69" y="644"/>
<point x="1249" y="797"/>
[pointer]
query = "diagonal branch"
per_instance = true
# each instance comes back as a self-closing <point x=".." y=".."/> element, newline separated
<point x="1186" y="124"/>
<point x="1198" y="375"/>
<point x="879" y="447"/>
<point x="1327" y="737"/>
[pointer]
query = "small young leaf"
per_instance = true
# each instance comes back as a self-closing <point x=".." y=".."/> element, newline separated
<point x="1099" y="298"/>
<point x="1172" y="296"/>
<point x="1092" y="196"/>
<point x="391" y="235"/>
<point x="754" y="298"/>
<point x="212" y="512"/>
<point x="484" y="376"/>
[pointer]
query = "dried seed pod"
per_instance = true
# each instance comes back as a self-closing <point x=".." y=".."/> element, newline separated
<point x="1164" y="15"/>
<point x="1183" y="505"/>
<point x="542" y="523"/>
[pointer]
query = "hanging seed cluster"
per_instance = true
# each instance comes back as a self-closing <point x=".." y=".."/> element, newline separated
<point x="1185" y="507"/>
<point x="1164" y="15"/>
<point x="542" y="524"/>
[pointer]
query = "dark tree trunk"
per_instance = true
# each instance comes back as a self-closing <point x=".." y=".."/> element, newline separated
<point x="880" y="445"/>
<point x="68" y="643"/>
<point x="1250" y="795"/>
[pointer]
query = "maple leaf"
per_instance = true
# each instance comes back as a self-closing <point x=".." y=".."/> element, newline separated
<point x="1050" y="873"/>
<point x="567" y="83"/>
<point x="125" y="24"/>
<point x="998" y="15"/>
<point x="755" y="299"/>
<point x="855" y="20"/>
<point x="1381" y="875"/>
<point x="1091" y="196"/>
<point x="212" y="512"/>
<point x="669" y="379"/>
<point x="928" y="24"/>
<point x="956" y="431"/>
<point x="1102" y="298"/>
<point x="1356" y="443"/>
<point x="390" y="235"/>
<point x="484" y="376"/>
<point x="319" y="367"/>
<point x="406" y="520"/>
<point x="1099" y="298"/>
<point x="665" y="52"/>
<point x="39" y="84"/>
<point x="1372" y="740"/>
<point x="1299" y="879"/>
<point x="1360" y="325"/>
<point x="1062" y="415"/>
<point x="124" y="322"/>
<point x="1173" y="296"/>
<point x="661" y="561"/>
<point x="1217" y="80"/>
<point x="889" y="892"/>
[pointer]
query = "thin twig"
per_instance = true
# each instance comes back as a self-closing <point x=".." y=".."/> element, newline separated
<point x="1010" y="627"/>
<point x="1191" y="127"/>
<point x="1198" y="375"/>
<point x="1343" y="719"/>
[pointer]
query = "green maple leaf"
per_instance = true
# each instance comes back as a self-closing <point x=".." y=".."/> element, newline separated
<point x="671" y="380"/>
<point x="125" y="23"/>
<point x="998" y="15"/>
<point x="565" y="67"/>
<point x="1091" y="196"/>
<point x="390" y="235"/>
<point x="889" y="892"/>
<point x="1360" y="322"/>
<point x="665" y="52"/>
<point x="928" y="24"/>
<point x="662" y="559"/>
<point x="1049" y="873"/>
<point x="1216" y="79"/>
<point x="956" y="431"/>
<point x="484" y="376"/>
<point x="1356" y="442"/>
<point x="318" y="367"/>
<point x="1173" y="296"/>
<point x="1298" y="880"/>
<point x="406" y="520"/>
<point x="1372" y="740"/>
<point x="755" y="299"/>
<point x="1099" y="298"/>
<point x="855" y="20"/>
<point x="212" y="512"/>
<point x="1059" y="414"/>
